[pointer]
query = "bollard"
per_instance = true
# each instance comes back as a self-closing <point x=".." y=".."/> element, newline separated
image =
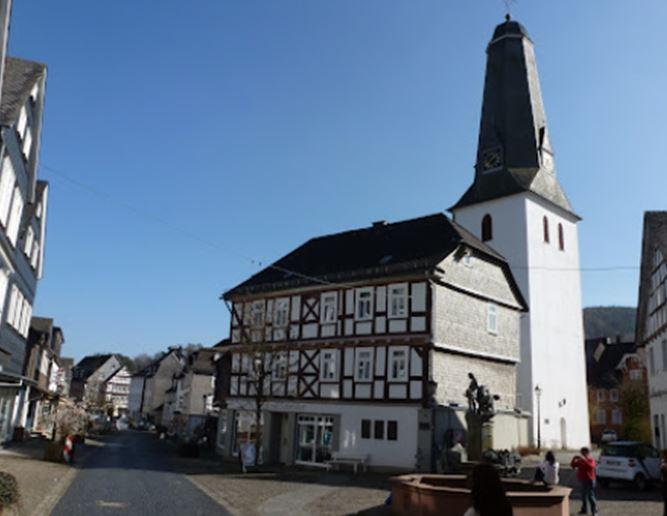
<point x="68" y="449"/>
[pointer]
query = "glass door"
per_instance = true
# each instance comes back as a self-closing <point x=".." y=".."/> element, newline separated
<point x="315" y="439"/>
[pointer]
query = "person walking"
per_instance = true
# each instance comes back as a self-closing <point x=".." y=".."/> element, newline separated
<point x="585" y="466"/>
<point x="548" y="470"/>
<point x="487" y="493"/>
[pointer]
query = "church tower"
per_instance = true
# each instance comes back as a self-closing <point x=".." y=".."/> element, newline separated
<point x="518" y="207"/>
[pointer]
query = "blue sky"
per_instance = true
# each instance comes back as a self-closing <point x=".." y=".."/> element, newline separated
<point x="256" y="125"/>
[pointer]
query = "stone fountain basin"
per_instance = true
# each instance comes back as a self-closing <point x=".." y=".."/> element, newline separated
<point x="444" y="495"/>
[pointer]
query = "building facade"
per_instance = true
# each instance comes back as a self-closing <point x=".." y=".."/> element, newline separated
<point x="617" y="379"/>
<point x="116" y="390"/>
<point x="366" y="350"/>
<point x="651" y="327"/>
<point x="517" y="206"/>
<point x="23" y="206"/>
<point x="148" y="388"/>
<point x="89" y="376"/>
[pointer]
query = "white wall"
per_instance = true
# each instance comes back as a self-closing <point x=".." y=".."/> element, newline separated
<point x="399" y="454"/>
<point x="552" y="341"/>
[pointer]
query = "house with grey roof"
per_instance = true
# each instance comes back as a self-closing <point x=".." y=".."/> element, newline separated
<point x="23" y="208"/>
<point x="370" y="335"/>
<point x="651" y="326"/>
<point x="89" y="377"/>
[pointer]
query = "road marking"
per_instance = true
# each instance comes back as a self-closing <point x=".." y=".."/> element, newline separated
<point x="114" y="505"/>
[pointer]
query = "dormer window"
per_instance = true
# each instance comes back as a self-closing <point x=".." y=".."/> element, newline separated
<point x="487" y="228"/>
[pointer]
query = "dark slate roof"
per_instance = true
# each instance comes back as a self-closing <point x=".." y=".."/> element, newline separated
<point x="602" y="372"/>
<point x="409" y="246"/>
<point x="19" y="79"/>
<point x="42" y="324"/>
<point x="513" y="122"/>
<point x="654" y="237"/>
<point x="88" y="365"/>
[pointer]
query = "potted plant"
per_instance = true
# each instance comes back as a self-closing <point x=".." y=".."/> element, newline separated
<point x="9" y="490"/>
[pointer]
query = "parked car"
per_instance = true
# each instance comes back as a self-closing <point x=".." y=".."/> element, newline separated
<point x="628" y="461"/>
<point x="609" y="436"/>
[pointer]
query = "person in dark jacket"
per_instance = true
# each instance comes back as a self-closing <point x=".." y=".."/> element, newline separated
<point x="487" y="493"/>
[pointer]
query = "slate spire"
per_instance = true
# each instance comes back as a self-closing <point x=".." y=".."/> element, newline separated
<point x="514" y="153"/>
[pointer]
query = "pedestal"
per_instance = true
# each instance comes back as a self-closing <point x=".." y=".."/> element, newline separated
<point x="474" y="440"/>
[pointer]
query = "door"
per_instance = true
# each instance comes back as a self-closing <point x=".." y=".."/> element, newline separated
<point x="651" y="459"/>
<point x="315" y="439"/>
<point x="276" y="437"/>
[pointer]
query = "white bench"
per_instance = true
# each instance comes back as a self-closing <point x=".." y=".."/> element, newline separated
<point x="356" y="460"/>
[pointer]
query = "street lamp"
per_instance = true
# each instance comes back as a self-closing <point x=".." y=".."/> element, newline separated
<point x="538" y="394"/>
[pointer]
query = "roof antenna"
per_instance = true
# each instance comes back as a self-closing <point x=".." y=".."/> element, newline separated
<point x="508" y="9"/>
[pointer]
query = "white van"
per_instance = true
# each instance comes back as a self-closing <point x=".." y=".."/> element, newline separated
<point x="628" y="461"/>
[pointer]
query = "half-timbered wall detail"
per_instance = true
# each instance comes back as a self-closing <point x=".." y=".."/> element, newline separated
<point x="364" y="371"/>
<point x="388" y="309"/>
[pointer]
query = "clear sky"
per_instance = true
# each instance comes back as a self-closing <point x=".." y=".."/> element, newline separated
<point x="255" y="125"/>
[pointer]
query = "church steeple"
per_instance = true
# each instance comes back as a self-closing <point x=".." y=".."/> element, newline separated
<point x="514" y="153"/>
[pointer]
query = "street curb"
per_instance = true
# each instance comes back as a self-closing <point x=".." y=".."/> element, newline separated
<point x="51" y="500"/>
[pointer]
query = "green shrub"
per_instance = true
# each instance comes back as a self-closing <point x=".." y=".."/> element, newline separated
<point x="9" y="489"/>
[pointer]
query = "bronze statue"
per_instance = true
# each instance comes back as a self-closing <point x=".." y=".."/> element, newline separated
<point x="480" y="400"/>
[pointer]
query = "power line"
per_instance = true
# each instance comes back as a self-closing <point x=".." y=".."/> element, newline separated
<point x="254" y="261"/>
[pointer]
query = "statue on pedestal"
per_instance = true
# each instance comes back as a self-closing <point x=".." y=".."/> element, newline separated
<point x="480" y="412"/>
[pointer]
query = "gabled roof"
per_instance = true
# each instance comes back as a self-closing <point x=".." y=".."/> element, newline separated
<point x="407" y="247"/>
<point x="603" y="357"/>
<point x="19" y="79"/>
<point x="88" y="365"/>
<point x="654" y="237"/>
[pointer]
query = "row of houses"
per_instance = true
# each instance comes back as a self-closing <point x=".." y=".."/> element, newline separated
<point x="30" y="367"/>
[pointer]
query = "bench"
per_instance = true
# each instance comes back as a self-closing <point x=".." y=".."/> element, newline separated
<point x="356" y="460"/>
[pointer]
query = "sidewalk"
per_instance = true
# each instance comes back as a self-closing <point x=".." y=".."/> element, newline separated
<point x="41" y="483"/>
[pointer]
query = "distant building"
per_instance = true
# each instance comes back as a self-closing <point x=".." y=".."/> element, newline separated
<point x="116" y="389"/>
<point x="89" y="375"/>
<point x="615" y="370"/>
<point x="148" y="387"/>
<point x="189" y="400"/>
<point x="43" y="366"/>
<point x="65" y="375"/>
<point x="651" y="327"/>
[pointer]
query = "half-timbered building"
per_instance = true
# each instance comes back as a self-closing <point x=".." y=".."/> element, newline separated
<point x="370" y="335"/>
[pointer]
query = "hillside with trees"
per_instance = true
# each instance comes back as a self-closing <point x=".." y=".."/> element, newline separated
<point x="610" y="321"/>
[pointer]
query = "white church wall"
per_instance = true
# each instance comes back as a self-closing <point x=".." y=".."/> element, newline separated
<point x="552" y="341"/>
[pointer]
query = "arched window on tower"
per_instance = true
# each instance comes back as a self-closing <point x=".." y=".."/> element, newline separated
<point x="545" y="228"/>
<point x="487" y="228"/>
<point x="561" y="237"/>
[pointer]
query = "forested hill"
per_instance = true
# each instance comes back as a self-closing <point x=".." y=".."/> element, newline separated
<point x="610" y="321"/>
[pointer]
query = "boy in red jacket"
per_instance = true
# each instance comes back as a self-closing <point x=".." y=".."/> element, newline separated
<point x="585" y="466"/>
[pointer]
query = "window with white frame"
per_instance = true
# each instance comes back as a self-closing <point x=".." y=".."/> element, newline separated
<point x="279" y="369"/>
<point x="492" y="318"/>
<point x="328" y="365"/>
<point x="34" y="259"/>
<point x="364" y="305"/>
<point x="12" y="304"/>
<point x="613" y="395"/>
<point x="363" y="369"/>
<point x="29" y="239"/>
<point x="7" y="181"/>
<point x="22" y="124"/>
<point x="27" y="144"/>
<point x="398" y="364"/>
<point x="328" y="307"/>
<point x="281" y="312"/>
<point x="616" y="417"/>
<point x="602" y="395"/>
<point x="398" y="300"/>
<point x="635" y="374"/>
<point x="15" y="216"/>
<point x="601" y="417"/>
<point x="257" y="314"/>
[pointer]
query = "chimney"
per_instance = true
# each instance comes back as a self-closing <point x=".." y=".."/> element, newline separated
<point x="379" y="224"/>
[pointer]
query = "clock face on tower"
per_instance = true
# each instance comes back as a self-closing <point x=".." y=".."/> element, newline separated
<point x="491" y="159"/>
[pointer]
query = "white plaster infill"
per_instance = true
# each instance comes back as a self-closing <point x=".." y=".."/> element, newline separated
<point x="439" y="346"/>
